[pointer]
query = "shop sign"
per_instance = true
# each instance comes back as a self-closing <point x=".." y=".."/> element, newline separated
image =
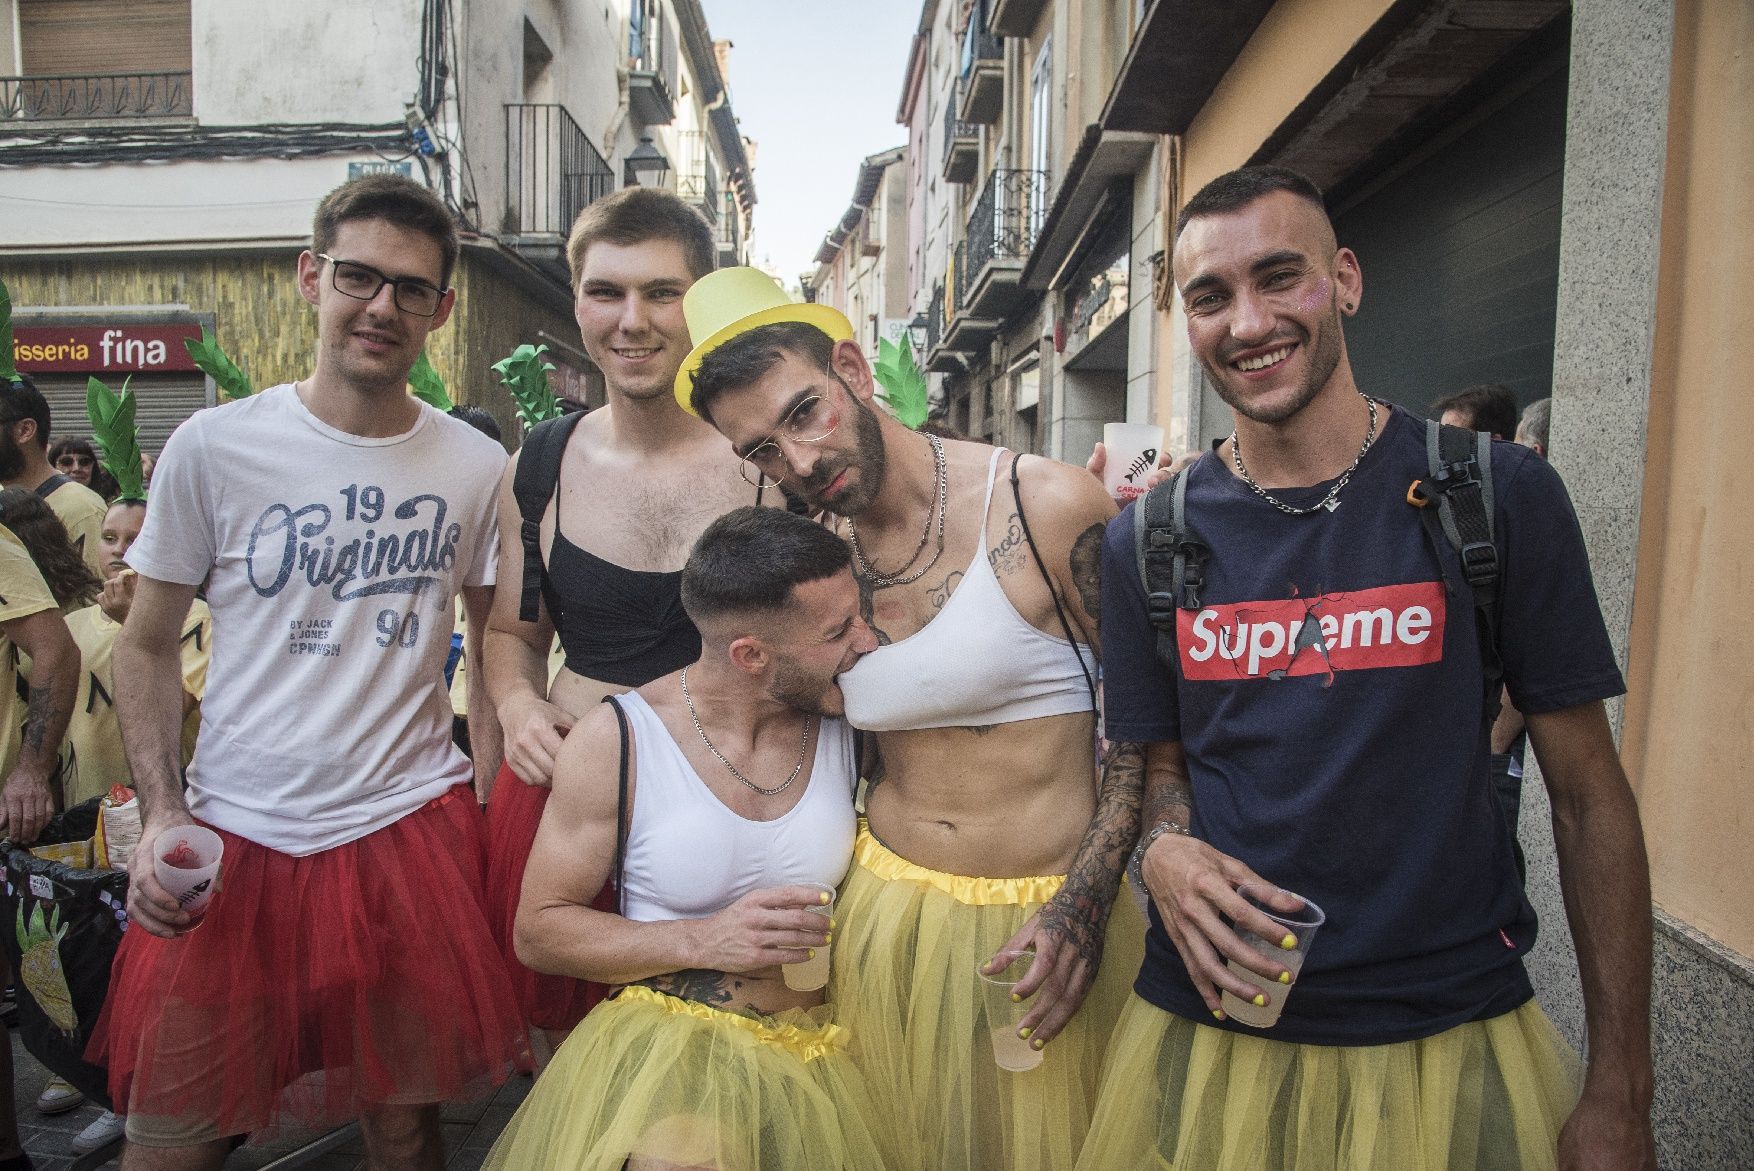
<point x="100" y="349"/>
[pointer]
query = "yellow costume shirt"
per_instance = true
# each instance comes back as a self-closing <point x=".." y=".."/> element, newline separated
<point x="23" y="592"/>
<point x="82" y="514"/>
<point x="92" y="758"/>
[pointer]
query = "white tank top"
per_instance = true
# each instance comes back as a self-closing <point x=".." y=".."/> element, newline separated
<point x="978" y="661"/>
<point x="689" y="856"/>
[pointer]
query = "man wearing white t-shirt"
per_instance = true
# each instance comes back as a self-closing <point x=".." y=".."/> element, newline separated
<point x="334" y="520"/>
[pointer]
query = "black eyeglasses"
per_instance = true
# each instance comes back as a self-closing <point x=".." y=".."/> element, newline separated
<point x="362" y="283"/>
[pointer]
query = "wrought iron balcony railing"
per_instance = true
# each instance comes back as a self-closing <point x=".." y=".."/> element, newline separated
<point x="93" y="97"/>
<point x="935" y="319"/>
<point x="699" y="181"/>
<point x="552" y="170"/>
<point x="1007" y="218"/>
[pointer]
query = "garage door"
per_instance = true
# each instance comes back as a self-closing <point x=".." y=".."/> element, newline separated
<point x="163" y="401"/>
<point x="1460" y="254"/>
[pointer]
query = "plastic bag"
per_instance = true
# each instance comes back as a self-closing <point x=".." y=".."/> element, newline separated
<point x="62" y="927"/>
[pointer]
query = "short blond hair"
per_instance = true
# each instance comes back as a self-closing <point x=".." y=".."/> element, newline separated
<point x="634" y="215"/>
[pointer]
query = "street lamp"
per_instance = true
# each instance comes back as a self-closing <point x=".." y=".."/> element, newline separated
<point x="646" y="166"/>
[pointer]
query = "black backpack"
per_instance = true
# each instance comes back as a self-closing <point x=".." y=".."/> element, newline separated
<point x="533" y="486"/>
<point x="1455" y="506"/>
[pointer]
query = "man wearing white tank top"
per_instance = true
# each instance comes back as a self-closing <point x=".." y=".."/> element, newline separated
<point x="989" y="832"/>
<point x="726" y="800"/>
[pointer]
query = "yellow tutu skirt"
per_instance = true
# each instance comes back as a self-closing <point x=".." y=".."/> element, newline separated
<point x="1485" y="1096"/>
<point x="652" y="1081"/>
<point x="906" y="946"/>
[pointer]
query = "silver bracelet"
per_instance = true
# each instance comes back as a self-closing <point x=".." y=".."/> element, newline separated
<point x="1136" y="868"/>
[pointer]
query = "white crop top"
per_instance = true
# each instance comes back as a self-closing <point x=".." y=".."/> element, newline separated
<point x="689" y="856"/>
<point x="976" y="662"/>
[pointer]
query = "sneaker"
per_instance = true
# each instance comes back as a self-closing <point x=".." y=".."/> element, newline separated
<point x="58" y="1097"/>
<point x="105" y="1129"/>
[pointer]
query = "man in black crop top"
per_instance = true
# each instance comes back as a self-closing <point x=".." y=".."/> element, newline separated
<point x="1318" y="723"/>
<point x="988" y="830"/>
<point x="636" y="483"/>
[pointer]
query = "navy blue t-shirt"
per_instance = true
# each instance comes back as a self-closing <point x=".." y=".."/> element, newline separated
<point x="1328" y="697"/>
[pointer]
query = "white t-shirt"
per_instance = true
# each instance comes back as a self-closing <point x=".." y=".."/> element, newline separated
<point x="334" y="560"/>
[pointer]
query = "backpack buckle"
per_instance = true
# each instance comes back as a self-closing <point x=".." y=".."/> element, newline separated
<point x="1480" y="563"/>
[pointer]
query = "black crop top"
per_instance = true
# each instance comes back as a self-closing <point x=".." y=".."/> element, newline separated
<point x="620" y="626"/>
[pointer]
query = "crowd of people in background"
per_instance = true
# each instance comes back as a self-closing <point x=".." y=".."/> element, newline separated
<point x="895" y="800"/>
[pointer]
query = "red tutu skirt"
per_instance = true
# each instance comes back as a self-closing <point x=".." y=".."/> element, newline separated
<point x="514" y="810"/>
<point x="317" y="987"/>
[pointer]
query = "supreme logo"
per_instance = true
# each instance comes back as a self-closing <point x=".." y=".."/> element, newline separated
<point x="1390" y="626"/>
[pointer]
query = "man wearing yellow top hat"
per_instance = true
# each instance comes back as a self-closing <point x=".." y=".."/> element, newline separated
<point x="989" y="831"/>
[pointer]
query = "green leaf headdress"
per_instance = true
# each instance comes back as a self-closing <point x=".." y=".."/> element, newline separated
<point x="428" y="387"/>
<point x="112" y="423"/>
<point x="525" y="374"/>
<point x="904" y="386"/>
<point x="233" y="383"/>
<point x="8" y="370"/>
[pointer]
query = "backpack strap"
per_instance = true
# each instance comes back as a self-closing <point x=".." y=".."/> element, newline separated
<point x="49" y="486"/>
<point x="1456" y="506"/>
<point x="1053" y="594"/>
<point x="620" y="872"/>
<point x="1171" y="558"/>
<point x="533" y="486"/>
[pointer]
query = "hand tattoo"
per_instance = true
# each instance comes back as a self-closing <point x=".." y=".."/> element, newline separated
<point x="1087" y="569"/>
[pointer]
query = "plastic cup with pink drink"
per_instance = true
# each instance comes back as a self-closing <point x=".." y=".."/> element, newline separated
<point x="185" y="860"/>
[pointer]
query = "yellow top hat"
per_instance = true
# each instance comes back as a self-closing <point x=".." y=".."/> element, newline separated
<point x="731" y="301"/>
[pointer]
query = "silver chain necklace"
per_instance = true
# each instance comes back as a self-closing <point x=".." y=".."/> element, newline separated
<point x="882" y="580"/>
<point x="1332" y="500"/>
<point x="720" y="757"/>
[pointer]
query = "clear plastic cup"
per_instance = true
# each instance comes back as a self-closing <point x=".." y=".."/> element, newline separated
<point x="185" y="860"/>
<point x="1300" y="928"/>
<point x="1004" y="1014"/>
<point x="813" y="972"/>
<point x="1132" y="450"/>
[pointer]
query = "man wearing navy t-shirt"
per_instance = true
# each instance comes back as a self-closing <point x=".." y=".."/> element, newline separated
<point x="1318" y="724"/>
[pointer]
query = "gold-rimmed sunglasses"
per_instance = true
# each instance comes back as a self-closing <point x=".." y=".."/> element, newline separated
<point x="812" y="420"/>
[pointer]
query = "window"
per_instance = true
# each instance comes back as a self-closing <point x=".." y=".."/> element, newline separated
<point x="1041" y="88"/>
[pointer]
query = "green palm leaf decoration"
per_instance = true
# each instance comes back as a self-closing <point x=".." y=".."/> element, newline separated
<point x="112" y="422"/>
<point x="233" y="383"/>
<point x="8" y="370"/>
<point x="904" y="385"/>
<point x="525" y="375"/>
<point x="428" y="386"/>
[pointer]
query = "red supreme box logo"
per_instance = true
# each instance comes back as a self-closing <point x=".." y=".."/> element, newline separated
<point x="1390" y="626"/>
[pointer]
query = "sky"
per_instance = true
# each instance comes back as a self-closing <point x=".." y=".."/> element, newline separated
<point x="816" y="84"/>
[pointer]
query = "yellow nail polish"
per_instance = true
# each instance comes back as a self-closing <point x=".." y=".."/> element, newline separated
<point x="1037" y="1044"/>
<point x="1219" y="1013"/>
<point x="822" y="898"/>
<point x="828" y="939"/>
<point x="1289" y="943"/>
<point x="812" y="953"/>
<point x="1024" y="1033"/>
<point x="1285" y="976"/>
<point x="1015" y="999"/>
<point x="1260" y="1000"/>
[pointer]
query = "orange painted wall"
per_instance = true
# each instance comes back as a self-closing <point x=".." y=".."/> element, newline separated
<point x="1688" y="739"/>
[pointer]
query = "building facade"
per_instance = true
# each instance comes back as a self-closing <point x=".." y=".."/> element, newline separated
<point x="861" y="267"/>
<point x="162" y="160"/>
<point x="1544" y="195"/>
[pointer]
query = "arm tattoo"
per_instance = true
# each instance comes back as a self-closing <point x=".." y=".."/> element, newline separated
<point x="1087" y="569"/>
<point x="1009" y="554"/>
<point x="868" y="611"/>
<point x="1079" y="911"/>
<point x="1168" y="798"/>
<point x="39" y="715"/>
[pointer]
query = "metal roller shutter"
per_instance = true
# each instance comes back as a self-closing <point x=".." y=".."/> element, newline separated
<point x="164" y="400"/>
<point x="1460" y="253"/>
<point x="84" y="37"/>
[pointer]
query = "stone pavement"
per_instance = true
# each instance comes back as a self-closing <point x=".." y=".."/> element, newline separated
<point x="469" y="1128"/>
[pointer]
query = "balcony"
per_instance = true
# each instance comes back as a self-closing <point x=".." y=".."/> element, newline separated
<point x="651" y="73"/>
<point x="730" y="232"/>
<point x="938" y="359"/>
<point x="1015" y="18"/>
<point x="983" y="72"/>
<point x="552" y="173"/>
<point x="1001" y="231"/>
<point x="966" y="331"/>
<point x="962" y="146"/>
<point x="698" y="184"/>
<point x="97" y="97"/>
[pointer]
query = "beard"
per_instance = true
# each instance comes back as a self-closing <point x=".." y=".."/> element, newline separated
<point x="1324" y="359"/>
<point x="811" y="694"/>
<point x="869" y="457"/>
<point x="11" y="457"/>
